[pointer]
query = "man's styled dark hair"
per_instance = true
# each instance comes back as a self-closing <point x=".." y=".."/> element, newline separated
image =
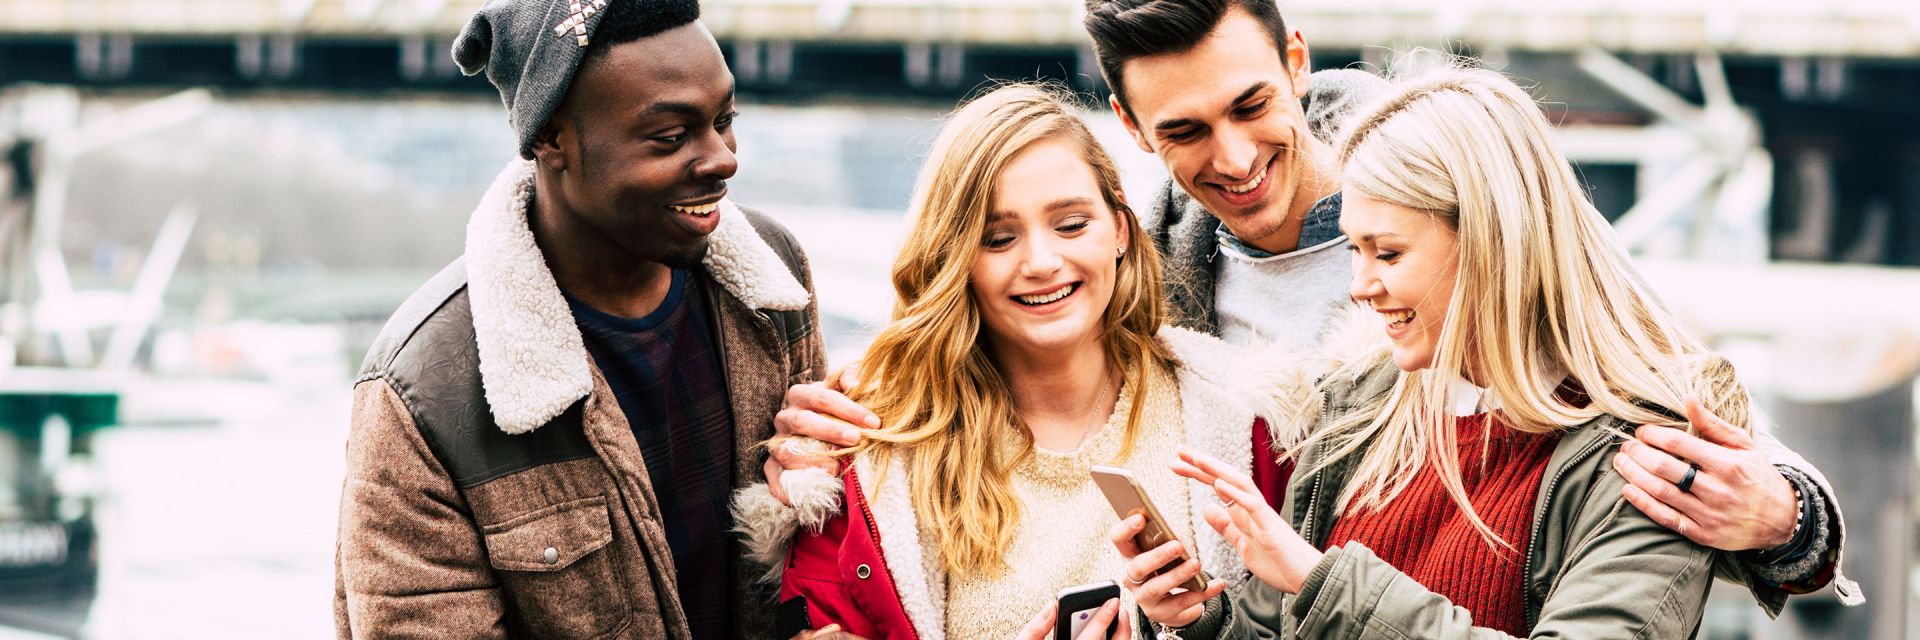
<point x="630" y="20"/>
<point x="1126" y="29"/>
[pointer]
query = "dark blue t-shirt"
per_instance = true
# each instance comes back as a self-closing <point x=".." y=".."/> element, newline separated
<point x="665" y="370"/>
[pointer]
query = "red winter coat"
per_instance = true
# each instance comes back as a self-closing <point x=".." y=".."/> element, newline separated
<point x="840" y="576"/>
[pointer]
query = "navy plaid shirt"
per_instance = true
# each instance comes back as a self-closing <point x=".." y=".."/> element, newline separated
<point x="665" y="370"/>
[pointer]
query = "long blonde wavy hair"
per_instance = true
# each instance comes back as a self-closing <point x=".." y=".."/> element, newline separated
<point x="942" y="401"/>
<point x="1545" y="294"/>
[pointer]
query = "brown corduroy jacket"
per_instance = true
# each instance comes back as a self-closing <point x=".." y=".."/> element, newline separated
<point x="494" y="487"/>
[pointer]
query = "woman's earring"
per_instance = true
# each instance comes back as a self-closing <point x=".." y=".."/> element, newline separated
<point x="1119" y="252"/>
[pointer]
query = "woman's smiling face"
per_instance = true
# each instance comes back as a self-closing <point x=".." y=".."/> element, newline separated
<point x="1405" y="265"/>
<point x="1045" y="271"/>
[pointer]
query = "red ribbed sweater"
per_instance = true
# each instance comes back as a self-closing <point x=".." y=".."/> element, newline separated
<point x="1424" y="535"/>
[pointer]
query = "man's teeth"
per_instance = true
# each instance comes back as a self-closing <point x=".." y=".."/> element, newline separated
<point x="1250" y="185"/>
<point x="1398" y="317"/>
<point x="1048" y="297"/>
<point x="700" y="210"/>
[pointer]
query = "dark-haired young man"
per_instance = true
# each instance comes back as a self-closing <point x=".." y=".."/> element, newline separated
<point x="1249" y="214"/>
<point x="546" y="434"/>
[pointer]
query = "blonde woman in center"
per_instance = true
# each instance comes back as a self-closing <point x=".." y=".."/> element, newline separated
<point x="1465" y="480"/>
<point x="1025" y="347"/>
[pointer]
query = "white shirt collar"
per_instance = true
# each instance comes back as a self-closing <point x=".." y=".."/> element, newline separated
<point x="1466" y="398"/>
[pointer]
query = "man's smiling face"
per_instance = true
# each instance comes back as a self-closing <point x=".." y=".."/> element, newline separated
<point x="1225" y="118"/>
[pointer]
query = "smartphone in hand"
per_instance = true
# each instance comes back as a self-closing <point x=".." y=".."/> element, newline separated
<point x="1079" y="604"/>
<point x="1128" y="498"/>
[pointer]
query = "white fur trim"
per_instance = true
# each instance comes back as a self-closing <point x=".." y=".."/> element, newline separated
<point x="533" y="364"/>
<point x="743" y="263"/>
<point x="1217" y="424"/>
<point x="815" y="495"/>
<point x="1280" y="383"/>
<point x="917" y="575"/>
<point x="769" y="525"/>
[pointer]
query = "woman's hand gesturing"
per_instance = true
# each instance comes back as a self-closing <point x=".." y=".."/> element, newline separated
<point x="1271" y="549"/>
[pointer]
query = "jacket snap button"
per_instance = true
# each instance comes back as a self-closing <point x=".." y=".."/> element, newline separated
<point x="863" y="571"/>
<point x="551" y="555"/>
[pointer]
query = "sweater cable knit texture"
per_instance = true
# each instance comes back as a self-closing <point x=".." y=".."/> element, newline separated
<point x="1423" y="534"/>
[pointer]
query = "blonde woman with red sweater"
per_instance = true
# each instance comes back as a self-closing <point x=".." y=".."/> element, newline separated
<point x="1466" y="481"/>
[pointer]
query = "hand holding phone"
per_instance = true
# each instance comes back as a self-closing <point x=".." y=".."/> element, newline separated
<point x="1080" y="607"/>
<point x="1129" y="498"/>
<point x="1101" y="621"/>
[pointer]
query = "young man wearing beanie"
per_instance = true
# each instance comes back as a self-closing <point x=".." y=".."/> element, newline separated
<point x="545" y="434"/>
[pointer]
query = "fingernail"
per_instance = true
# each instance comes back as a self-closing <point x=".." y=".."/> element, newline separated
<point x="852" y="435"/>
<point x="873" y="422"/>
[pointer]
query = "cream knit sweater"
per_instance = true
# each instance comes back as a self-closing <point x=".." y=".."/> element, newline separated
<point x="1061" y="540"/>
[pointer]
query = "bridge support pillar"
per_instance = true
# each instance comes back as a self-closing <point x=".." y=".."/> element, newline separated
<point x="103" y="56"/>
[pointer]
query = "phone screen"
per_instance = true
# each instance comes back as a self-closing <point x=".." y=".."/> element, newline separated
<point x="1079" y="621"/>
<point x="1079" y="604"/>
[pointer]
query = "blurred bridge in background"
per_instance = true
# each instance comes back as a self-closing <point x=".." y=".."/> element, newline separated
<point x="918" y="43"/>
<point x="1824" y="88"/>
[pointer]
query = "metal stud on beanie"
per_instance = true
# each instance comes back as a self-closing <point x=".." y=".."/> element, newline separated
<point x="530" y="49"/>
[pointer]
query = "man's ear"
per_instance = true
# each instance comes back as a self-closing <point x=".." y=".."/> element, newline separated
<point x="1299" y="63"/>
<point x="552" y="145"/>
<point x="1127" y="121"/>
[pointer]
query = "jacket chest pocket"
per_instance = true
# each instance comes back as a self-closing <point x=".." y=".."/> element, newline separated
<point x="555" y="567"/>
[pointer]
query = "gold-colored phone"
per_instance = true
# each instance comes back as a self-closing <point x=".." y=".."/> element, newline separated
<point x="1128" y="498"/>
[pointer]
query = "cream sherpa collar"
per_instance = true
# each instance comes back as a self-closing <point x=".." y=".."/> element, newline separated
<point x="533" y="364"/>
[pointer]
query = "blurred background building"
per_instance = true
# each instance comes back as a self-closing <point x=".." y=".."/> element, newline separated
<point x="208" y="208"/>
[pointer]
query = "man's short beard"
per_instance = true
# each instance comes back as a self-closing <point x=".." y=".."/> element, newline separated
<point x="1257" y="234"/>
<point x="686" y="257"/>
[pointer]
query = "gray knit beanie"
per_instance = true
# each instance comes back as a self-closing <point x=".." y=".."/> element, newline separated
<point x="530" y="49"/>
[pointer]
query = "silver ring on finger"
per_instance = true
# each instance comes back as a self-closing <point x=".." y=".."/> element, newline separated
<point x="1134" y="582"/>
<point x="1686" y="482"/>
<point x="1228" y="503"/>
